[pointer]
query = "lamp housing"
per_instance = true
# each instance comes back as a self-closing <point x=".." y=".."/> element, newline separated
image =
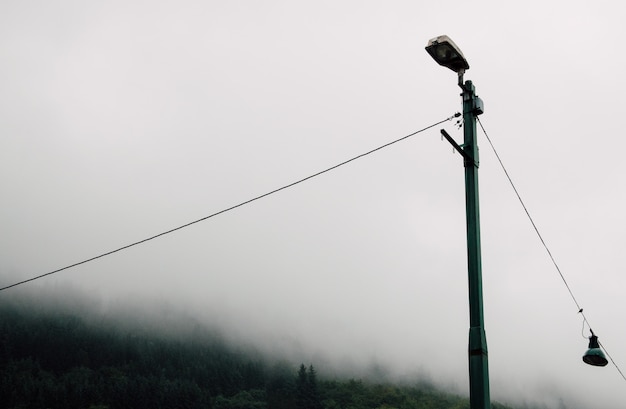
<point x="446" y="53"/>
<point x="594" y="355"/>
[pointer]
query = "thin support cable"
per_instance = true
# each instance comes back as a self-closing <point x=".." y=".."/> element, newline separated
<point x="571" y="293"/>
<point x="611" y="359"/>
<point x="580" y="310"/>
<point x="232" y="207"/>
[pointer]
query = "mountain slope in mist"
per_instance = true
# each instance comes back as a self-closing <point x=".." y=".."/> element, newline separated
<point x="70" y="356"/>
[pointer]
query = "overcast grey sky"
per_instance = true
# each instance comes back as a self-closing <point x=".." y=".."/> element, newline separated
<point x="122" y="119"/>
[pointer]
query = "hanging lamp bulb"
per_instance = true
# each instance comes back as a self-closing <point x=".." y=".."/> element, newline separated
<point x="594" y="355"/>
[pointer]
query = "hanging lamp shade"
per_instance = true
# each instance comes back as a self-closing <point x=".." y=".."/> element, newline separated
<point x="594" y="355"/>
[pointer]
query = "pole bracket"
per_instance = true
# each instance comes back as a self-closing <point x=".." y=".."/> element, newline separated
<point x="468" y="158"/>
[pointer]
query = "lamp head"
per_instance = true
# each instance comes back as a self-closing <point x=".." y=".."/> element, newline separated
<point x="446" y="53"/>
<point x="594" y="355"/>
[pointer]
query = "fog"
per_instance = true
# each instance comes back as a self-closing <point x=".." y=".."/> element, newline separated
<point x="122" y="120"/>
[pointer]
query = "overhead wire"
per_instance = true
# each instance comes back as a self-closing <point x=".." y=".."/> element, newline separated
<point x="108" y="253"/>
<point x="543" y="242"/>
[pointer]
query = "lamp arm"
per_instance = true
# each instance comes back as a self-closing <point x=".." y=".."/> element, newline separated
<point x="461" y="83"/>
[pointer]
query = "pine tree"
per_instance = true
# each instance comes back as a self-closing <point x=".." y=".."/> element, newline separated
<point x="314" y="397"/>
<point x="306" y="389"/>
<point x="302" y="388"/>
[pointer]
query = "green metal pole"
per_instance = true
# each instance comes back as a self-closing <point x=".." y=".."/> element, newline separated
<point x="478" y="367"/>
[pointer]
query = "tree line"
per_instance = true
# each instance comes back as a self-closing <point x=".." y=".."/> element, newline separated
<point x="59" y="360"/>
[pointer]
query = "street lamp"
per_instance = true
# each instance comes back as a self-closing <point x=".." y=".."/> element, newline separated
<point x="446" y="53"/>
<point x="594" y="355"/>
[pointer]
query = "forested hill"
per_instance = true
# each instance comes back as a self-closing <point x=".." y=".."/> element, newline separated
<point x="53" y="358"/>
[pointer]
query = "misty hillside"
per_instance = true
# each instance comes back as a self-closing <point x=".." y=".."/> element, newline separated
<point x="69" y="356"/>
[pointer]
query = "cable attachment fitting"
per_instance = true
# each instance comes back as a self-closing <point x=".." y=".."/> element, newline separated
<point x="456" y="115"/>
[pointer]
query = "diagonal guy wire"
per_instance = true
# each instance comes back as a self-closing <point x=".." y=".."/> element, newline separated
<point x="230" y="208"/>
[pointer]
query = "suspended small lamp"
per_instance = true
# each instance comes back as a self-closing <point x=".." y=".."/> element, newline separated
<point x="594" y="355"/>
